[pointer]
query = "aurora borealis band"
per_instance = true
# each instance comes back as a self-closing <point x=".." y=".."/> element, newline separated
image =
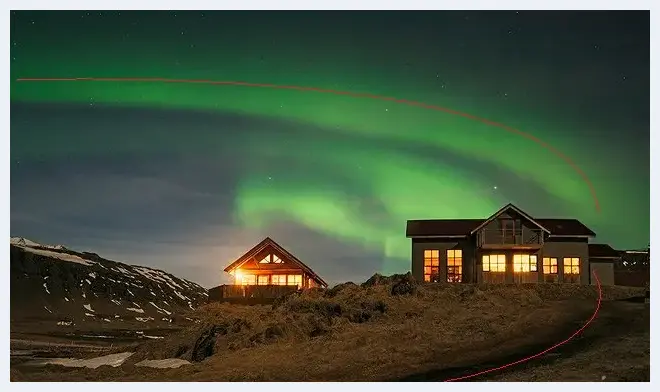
<point x="187" y="176"/>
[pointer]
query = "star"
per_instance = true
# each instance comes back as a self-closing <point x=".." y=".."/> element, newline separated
<point x="495" y="187"/>
<point x="387" y="110"/>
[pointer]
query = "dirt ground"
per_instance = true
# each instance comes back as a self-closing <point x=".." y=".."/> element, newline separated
<point x="377" y="332"/>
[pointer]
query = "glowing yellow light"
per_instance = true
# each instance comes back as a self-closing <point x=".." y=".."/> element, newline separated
<point x="239" y="276"/>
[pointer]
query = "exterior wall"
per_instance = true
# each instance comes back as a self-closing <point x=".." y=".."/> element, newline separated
<point x="419" y="245"/>
<point x="604" y="270"/>
<point x="472" y="259"/>
<point x="509" y="276"/>
<point x="567" y="247"/>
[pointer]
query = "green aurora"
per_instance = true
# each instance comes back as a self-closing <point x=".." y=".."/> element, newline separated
<point x="407" y="186"/>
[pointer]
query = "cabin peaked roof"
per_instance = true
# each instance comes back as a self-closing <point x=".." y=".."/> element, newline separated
<point x="466" y="227"/>
<point x="266" y="243"/>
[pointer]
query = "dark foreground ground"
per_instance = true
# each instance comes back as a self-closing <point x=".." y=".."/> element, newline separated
<point x="411" y="341"/>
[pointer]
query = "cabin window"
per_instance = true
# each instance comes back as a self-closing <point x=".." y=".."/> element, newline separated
<point x="493" y="263"/>
<point x="571" y="266"/>
<point x="294" y="280"/>
<point x="248" y="280"/>
<point x="278" y="280"/>
<point x="271" y="259"/>
<point x="431" y="265"/>
<point x="262" y="280"/>
<point x="550" y="265"/>
<point x="524" y="263"/>
<point x="454" y="265"/>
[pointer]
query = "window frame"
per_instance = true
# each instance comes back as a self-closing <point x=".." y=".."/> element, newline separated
<point x="490" y="264"/>
<point x="531" y="266"/>
<point x="431" y="260"/>
<point x="573" y="265"/>
<point x="455" y="265"/>
<point x="550" y="265"/>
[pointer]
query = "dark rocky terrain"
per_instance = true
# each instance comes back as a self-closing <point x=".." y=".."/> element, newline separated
<point x="61" y="293"/>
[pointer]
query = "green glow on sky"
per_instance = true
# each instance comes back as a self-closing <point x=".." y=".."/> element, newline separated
<point x="405" y="186"/>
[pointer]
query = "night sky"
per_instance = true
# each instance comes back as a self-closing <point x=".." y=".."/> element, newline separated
<point x="186" y="177"/>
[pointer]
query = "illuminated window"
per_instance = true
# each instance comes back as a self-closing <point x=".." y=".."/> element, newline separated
<point x="524" y="263"/>
<point x="571" y="266"/>
<point x="271" y="259"/>
<point x="431" y="265"/>
<point x="454" y="265"/>
<point x="493" y="263"/>
<point x="294" y="280"/>
<point x="278" y="280"/>
<point x="248" y="280"/>
<point x="550" y="265"/>
<point x="262" y="280"/>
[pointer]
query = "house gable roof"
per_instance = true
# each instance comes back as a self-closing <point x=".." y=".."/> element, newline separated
<point x="441" y="227"/>
<point x="505" y="209"/>
<point x="266" y="243"/>
<point x="566" y="227"/>
<point x="449" y="228"/>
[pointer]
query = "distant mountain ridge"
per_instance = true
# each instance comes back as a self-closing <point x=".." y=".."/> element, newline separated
<point x="63" y="287"/>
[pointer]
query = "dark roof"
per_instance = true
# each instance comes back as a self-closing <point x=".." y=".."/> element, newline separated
<point x="269" y="242"/>
<point x="565" y="227"/>
<point x="463" y="227"/>
<point x="603" y="251"/>
<point x="441" y="227"/>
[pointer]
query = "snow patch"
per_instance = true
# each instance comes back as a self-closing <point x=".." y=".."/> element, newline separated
<point x="88" y="307"/>
<point x="183" y="297"/>
<point x="58" y="255"/>
<point x="113" y="360"/>
<point x="160" y="309"/>
<point x="136" y="310"/>
<point x="49" y="311"/>
<point x="92" y="275"/>
<point x="144" y="319"/>
<point x="46" y="288"/>
<point x="169" y="363"/>
<point x="65" y="323"/>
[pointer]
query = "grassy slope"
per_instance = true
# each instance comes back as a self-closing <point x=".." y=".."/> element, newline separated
<point x="361" y="333"/>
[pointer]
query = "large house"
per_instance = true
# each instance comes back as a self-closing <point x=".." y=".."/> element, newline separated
<point x="269" y="264"/>
<point x="510" y="246"/>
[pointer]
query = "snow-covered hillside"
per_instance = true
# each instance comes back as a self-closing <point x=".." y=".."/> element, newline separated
<point x="72" y="288"/>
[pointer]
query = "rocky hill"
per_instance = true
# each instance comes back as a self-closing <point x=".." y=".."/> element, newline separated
<point x="54" y="288"/>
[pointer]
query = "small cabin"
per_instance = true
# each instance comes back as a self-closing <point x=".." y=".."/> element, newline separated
<point x="265" y="272"/>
